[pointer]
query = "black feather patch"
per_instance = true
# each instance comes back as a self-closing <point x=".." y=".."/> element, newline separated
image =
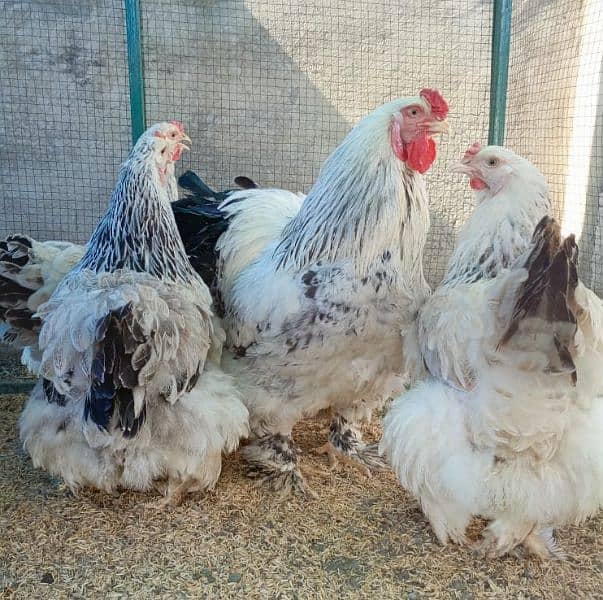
<point x="51" y="393"/>
<point x="201" y="222"/>
<point x="549" y="293"/>
<point x="246" y="182"/>
<point x="99" y="404"/>
<point x="115" y="373"/>
<point x="20" y="239"/>
<point x="129" y="423"/>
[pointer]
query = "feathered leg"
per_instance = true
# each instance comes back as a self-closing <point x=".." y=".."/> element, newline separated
<point x="543" y="544"/>
<point x="272" y="460"/>
<point x="503" y="535"/>
<point x="345" y="444"/>
<point x="448" y="520"/>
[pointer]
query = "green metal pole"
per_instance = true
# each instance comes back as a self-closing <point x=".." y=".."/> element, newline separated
<point x="501" y="42"/>
<point x="135" y="68"/>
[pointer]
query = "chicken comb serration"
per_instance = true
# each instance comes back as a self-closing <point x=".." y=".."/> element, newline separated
<point x="178" y="124"/>
<point x="472" y="151"/>
<point x="439" y="106"/>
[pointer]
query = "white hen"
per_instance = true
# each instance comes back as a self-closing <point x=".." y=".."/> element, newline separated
<point x="509" y="423"/>
<point x="130" y="390"/>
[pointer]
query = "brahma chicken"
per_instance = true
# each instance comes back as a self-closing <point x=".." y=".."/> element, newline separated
<point x="508" y="425"/>
<point x="130" y="392"/>
<point x="29" y="273"/>
<point x="315" y="290"/>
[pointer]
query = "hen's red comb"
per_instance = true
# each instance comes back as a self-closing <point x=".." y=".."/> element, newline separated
<point x="439" y="106"/>
<point x="178" y="124"/>
<point x="472" y="151"/>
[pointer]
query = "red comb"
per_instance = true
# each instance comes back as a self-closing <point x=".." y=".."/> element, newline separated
<point x="439" y="106"/>
<point x="177" y="124"/>
<point x="472" y="151"/>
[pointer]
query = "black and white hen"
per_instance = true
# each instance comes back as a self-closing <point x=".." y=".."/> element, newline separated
<point x="130" y="390"/>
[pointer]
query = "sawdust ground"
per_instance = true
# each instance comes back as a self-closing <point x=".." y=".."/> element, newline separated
<point x="360" y="539"/>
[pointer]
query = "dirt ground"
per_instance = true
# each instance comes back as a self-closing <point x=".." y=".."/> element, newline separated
<point x="360" y="539"/>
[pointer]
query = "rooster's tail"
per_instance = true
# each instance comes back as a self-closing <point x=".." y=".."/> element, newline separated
<point x="201" y="222"/>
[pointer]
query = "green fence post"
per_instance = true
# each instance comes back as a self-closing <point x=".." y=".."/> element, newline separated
<point x="135" y="68"/>
<point x="501" y="42"/>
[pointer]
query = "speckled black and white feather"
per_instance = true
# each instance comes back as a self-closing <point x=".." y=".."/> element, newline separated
<point x="29" y="273"/>
<point x="318" y="289"/>
<point x="127" y="340"/>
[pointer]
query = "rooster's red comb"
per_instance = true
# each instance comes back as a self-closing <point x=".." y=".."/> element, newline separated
<point x="472" y="151"/>
<point x="439" y="106"/>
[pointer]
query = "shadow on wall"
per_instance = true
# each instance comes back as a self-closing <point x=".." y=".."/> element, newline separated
<point x="266" y="90"/>
<point x="250" y="109"/>
<point x="64" y="114"/>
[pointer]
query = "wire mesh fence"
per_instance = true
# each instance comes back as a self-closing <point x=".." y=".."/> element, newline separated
<point x="64" y="113"/>
<point x="268" y="89"/>
<point x="555" y="113"/>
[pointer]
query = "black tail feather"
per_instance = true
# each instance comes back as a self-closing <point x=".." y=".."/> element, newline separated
<point x="246" y="183"/>
<point x="201" y="222"/>
<point x="195" y="185"/>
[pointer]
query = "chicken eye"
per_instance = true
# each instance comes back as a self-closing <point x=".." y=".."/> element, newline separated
<point x="492" y="162"/>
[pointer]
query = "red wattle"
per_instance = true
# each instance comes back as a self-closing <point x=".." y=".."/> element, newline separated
<point x="177" y="154"/>
<point x="420" y="153"/>
<point x="477" y="184"/>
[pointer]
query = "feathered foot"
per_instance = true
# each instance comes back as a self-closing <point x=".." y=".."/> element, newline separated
<point x="543" y="544"/>
<point x="501" y="538"/>
<point x="345" y="445"/>
<point x="272" y="461"/>
<point x="174" y="494"/>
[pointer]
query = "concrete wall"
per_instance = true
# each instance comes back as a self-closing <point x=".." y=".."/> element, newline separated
<point x="267" y="89"/>
<point x="555" y="112"/>
<point x="64" y="114"/>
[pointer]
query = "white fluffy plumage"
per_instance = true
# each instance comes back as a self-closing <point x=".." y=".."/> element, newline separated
<point x="316" y="291"/>
<point x="131" y="393"/>
<point x="498" y="428"/>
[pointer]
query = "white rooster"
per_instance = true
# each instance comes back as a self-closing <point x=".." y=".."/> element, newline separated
<point x="509" y="423"/>
<point x="130" y="393"/>
<point x="316" y="290"/>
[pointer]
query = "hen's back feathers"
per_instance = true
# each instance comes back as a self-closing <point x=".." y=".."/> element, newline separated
<point x="120" y="341"/>
<point x="544" y="304"/>
<point x="256" y="219"/>
<point x="29" y="273"/>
